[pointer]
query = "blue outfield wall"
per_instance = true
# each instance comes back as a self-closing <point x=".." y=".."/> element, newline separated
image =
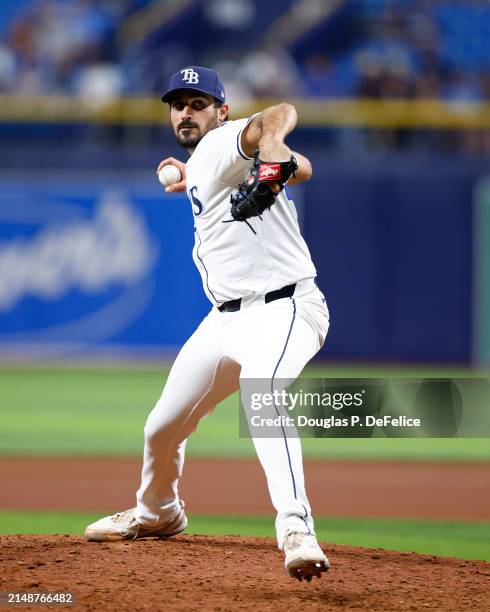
<point x="393" y="246"/>
<point x="95" y="261"/>
<point x="101" y="261"/>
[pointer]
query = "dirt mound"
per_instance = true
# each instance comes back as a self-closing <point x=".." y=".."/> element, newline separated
<point x="234" y="573"/>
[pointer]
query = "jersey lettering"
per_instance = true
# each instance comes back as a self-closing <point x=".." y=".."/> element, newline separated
<point x="196" y="202"/>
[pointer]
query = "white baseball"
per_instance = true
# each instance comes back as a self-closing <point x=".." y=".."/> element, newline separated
<point x="169" y="175"/>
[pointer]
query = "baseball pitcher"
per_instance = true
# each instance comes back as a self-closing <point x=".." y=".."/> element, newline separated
<point x="268" y="317"/>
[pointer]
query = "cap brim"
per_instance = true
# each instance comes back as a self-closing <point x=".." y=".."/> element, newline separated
<point x="168" y="95"/>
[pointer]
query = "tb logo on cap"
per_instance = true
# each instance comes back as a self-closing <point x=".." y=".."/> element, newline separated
<point x="190" y="76"/>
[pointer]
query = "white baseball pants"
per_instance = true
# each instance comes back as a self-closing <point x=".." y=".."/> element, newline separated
<point x="260" y="341"/>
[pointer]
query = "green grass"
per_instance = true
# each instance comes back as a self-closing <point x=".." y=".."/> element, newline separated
<point x="445" y="538"/>
<point x="101" y="410"/>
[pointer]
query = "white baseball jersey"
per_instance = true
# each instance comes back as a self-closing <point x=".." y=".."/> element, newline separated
<point x="232" y="260"/>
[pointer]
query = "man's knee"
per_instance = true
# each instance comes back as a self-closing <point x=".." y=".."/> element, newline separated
<point x="160" y="425"/>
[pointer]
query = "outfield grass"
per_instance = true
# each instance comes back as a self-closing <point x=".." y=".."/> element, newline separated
<point x="101" y="410"/>
<point x="445" y="538"/>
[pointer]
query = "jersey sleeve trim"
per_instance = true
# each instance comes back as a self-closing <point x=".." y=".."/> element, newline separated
<point x="239" y="138"/>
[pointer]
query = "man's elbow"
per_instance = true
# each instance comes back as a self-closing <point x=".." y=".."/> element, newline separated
<point x="288" y="109"/>
<point x="287" y="106"/>
<point x="283" y="110"/>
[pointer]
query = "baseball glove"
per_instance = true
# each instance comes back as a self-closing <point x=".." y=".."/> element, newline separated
<point x="254" y="194"/>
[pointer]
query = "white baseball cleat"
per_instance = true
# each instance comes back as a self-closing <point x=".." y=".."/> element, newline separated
<point x="124" y="526"/>
<point x="304" y="557"/>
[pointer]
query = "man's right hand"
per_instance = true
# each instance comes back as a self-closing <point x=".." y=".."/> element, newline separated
<point x="171" y="161"/>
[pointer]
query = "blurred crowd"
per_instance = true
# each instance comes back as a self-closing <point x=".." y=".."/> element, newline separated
<point x="54" y="46"/>
<point x="399" y="49"/>
<point x="404" y="50"/>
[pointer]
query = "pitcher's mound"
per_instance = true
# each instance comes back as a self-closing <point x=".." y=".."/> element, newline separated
<point x="233" y="573"/>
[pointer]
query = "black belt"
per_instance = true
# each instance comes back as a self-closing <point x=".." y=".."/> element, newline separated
<point x="285" y="292"/>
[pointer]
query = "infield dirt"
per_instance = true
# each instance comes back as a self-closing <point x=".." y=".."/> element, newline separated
<point x="188" y="573"/>
<point x="456" y="491"/>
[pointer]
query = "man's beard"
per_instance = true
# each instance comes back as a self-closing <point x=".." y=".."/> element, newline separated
<point x="192" y="138"/>
<point x="188" y="140"/>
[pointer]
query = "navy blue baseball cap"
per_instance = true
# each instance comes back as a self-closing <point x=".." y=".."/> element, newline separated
<point x="196" y="78"/>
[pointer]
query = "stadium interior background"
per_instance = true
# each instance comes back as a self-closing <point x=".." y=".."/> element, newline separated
<point x="392" y="100"/>
<point x="98" y="290"/>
